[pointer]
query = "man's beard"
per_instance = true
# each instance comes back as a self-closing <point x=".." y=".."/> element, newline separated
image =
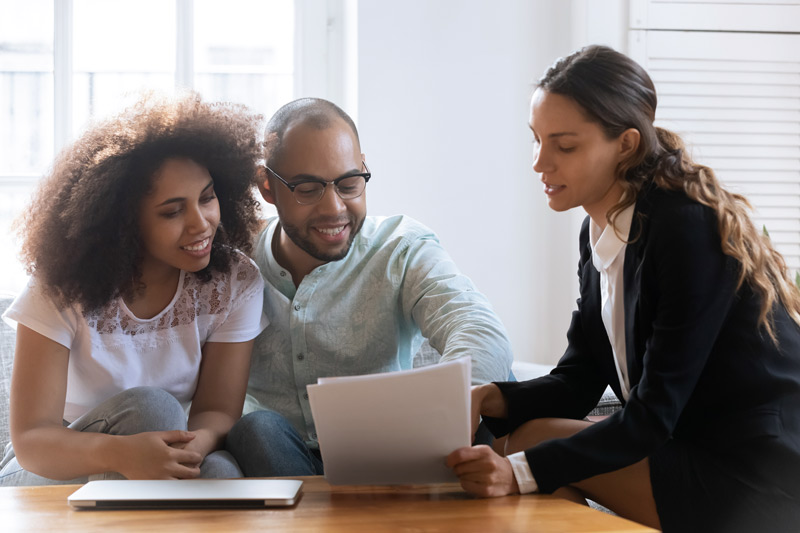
<point x="308" y="247"/>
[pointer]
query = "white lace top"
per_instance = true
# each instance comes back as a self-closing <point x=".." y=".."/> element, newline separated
<point x="112" y="350"/>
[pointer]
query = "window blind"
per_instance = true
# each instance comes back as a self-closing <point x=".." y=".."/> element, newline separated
<point x="735" y="98"/>
<point x="716" y="15"/>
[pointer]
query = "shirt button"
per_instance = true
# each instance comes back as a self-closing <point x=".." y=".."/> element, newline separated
<point x="300" y="357"/>
<point x="314" y="436"/>
<point x="305" y="396"/>
<point x="296" y="307"/>
<point x="283" y="273"/>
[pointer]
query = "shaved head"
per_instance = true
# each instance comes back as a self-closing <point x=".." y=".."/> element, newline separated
<point x="312" y="112"/>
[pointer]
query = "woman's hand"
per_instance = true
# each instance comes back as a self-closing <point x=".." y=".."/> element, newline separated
<point x="158" y="455"/>
<point x="202" y="443"/>
<point x="487" y="400"/>
<point x="219" y="397"/>
<point x="482" y="472"/>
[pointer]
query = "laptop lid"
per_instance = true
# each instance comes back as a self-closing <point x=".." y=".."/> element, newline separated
<point x="186" y="493"/>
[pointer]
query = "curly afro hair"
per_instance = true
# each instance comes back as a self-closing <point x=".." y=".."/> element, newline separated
<point x="81" y="236"/>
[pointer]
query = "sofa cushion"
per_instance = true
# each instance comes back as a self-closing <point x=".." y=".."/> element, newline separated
<point x="7" y="343"/>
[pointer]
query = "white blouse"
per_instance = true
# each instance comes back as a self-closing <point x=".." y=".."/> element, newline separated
<point x="112" y="350"/>
<point x="608" y="258"/>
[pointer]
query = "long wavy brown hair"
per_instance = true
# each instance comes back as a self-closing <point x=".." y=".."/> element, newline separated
<point x="617" y="93"/>
<point x="80" y="236"/>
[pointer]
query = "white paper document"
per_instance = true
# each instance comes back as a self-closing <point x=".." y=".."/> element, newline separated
<point x="393" y="428"/>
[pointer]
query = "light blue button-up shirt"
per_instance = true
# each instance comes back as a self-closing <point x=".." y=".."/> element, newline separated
<point x="365" y="314"/>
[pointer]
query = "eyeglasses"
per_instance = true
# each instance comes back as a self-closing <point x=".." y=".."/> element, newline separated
<point x="307" y="191"/>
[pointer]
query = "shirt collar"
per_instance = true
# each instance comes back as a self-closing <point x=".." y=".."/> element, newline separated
<point x="278" y="276"/>
<point x="607" y="245"/>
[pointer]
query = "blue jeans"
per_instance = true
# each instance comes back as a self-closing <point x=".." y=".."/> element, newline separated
<point x="135" y="410"/>
<point x="265" y="444"/>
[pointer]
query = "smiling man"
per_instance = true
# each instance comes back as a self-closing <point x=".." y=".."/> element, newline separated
<point x="345" y="293"/>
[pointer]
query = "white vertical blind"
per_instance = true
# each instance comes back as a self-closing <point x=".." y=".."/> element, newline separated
<point x="727" y="74"/>
<point x="735" y="98"/>
<point x="716" y="15"/>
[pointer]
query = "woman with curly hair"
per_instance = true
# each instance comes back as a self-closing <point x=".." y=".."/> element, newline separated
<point x="141" y="304"/>
<point x="685" y="310"/>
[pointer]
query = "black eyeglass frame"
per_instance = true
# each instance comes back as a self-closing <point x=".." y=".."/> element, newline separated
<point x="292" y="186"/>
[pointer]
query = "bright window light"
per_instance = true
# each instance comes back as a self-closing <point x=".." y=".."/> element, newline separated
<point x="64" y="62"/>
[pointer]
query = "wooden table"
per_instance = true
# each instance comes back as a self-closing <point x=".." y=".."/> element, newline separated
<point x="322" y="508"/>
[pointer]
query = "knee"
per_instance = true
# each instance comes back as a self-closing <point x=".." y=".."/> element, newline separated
<point x="524" y="437"/>
<point x="151" y="409"/>
<point x="265" y="444"/>
<point x="220" y="465"/>
<point x="258" y="427"/>
<point x="539" y="430"/>
<point x="261" y="422"/>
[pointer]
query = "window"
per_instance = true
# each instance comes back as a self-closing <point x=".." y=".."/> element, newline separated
<point x="63" y="62"/>
<point x="26" y="81"/>
<point x="734" y="95"/>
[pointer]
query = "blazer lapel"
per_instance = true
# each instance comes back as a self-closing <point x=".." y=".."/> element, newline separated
<point x="592" y="321"/>
<point x="631" y="273"/>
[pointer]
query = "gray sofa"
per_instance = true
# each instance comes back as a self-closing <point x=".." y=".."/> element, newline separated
<point x="7" y="337"/>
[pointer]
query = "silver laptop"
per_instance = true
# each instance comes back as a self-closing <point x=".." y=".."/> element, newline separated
<point x="186" y="493"/>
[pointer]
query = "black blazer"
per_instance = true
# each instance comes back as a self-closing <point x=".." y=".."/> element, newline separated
<point x="699" y="368"/>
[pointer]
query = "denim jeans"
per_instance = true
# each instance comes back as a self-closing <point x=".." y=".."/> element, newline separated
<point x="265" y="444"/>
<point x="135" y="410"/>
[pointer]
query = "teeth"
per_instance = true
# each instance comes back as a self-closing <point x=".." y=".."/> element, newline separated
<point x="331" y="231"/>
<point x="197" y="247"/>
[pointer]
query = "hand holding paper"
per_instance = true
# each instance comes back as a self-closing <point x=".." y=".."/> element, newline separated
<point x="393" y="428"/>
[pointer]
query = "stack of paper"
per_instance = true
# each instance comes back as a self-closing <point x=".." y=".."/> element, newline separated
<point x="393" y="428"/>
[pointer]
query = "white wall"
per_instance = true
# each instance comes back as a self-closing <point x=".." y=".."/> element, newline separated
<point x="443" y="90"/>
<point x="440" y="91"/>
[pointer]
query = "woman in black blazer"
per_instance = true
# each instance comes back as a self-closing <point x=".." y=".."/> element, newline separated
<point x="685" y="309"/>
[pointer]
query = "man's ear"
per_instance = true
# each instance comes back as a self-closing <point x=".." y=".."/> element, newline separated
<point x="629" y="143"/>
<point x="263" y="184"/>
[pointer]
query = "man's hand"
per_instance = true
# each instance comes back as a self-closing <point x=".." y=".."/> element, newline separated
<point x="158" y="455"/>
<point x="482" y="472"/>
